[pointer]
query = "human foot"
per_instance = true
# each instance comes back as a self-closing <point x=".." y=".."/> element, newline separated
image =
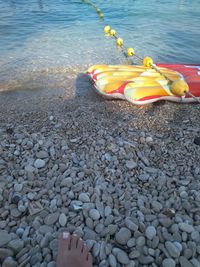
<point x="72" y="252"/>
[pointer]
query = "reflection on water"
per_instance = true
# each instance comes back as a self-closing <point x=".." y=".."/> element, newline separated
<point x="181" y="5"/>
<point x="40" y="4"/>
<point x="38" y="34"/>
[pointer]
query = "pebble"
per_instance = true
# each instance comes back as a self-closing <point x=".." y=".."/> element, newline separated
<point x="9" y="262"/>
<point x="122" y="257"/>
<point x="42" y="154"/>
<point x="123" y="236"/>
<point x="184" y="262"/>
<point x="140" y="242"/>
<point x="18" y="187"/>
<point x="39" y="163"/>
<point x="44" y="229"/>
<point x="84" y="197"/>
<point x="4" y="253"/>
<point x="186" y="227"/>
<point x="168" y="263"/>
<point x="130" y="164"/>
<point x="145" y="259"/>
<point x="94" y="214"/>
<point x="143" y="177"/>
<point x="16" y="245"/>
<point x="131" y="225"/>
<point x="66" y="182"/>
<point x="150" y="232"/>
<point x="51" y="264"/>
<point x="62" y="219"/>
<point x="107" y="211"/>
<point x="52" y="218"/>
<point x="112" y="260"/>
<point x="173" y="250"/>
<point x="5" y="237"/>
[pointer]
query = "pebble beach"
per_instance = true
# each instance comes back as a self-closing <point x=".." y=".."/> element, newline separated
<point x="124" y="178"/>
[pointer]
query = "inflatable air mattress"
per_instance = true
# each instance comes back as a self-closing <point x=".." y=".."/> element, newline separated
<point x="141" y="85"/>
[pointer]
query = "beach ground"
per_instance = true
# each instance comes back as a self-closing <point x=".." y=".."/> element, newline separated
<point x="125" y="178"/>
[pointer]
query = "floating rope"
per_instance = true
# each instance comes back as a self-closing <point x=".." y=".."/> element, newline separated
<point x="179" y="87"/>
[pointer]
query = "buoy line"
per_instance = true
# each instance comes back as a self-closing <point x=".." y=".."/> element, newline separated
<point x="179" y="87"/>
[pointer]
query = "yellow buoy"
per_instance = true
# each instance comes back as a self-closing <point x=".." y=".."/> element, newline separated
<point x="113" y="32"/>
<point x="148" y="62"/>
<point x="98" y="10"/>
<point x="101" y="15"/>
<point x="179" y="88"/>
<point x="107" y="29"/>
<point x="120" y="42"/>
<point x="130" y="52"/>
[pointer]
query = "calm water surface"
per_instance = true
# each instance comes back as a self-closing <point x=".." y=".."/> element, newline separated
<point x="40" y="34"/>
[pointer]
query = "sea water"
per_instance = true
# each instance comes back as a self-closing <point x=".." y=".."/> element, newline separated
<point x="42" y="34"/>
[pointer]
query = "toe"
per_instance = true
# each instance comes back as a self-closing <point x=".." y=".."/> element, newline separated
<point x="64" y="241"/>
<point x="85" y="251"/>
<point x="89" y="259"/>
<point x="63" y="246"/>
<point x="80" y="244"/>
<point x="74" y="241"/>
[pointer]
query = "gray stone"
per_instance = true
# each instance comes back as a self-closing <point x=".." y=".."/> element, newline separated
<point x="188" y="253"/>
<point x="94" y="214"/>
<point x="172" y="249"/>
<point x="144" y="177"/>
<point x="195" y="236"/>
<point x="131" y="225"/>
<point x="62" y="219"/>
<point x="168" y="263"/>
<point x="44" y="229"/>
<point x="84" y="197"/>
<point x="134" y="254"/>
<point x="112" y="260"/>
<point x="107" y="211"/>
<point x="52" y="218"/>
<point x="131" y="264"/>
<point x="16" y="245"/>
<point x="5" y="237"/>
<point x="18" y="187"/>
<point x="157" y="206"/>
<point x="123" y="236"/>
<point x="42" y="154"/>
<point x="9" y="262"/>
<point x="4" y="253"/>
<point x="140" y="242"/>
<point x="131" y="242"/>
<point x="195" y="262"/>
<point x="150" y="232"/>
<point x="145" y="259"/>
<point x="89" y="234"/>
<point x="130" y="164"/>
<point x="122" y="257"/>
<point x="184" y="262"/>
<point x="54" y="245"/>
<point x="96" y="249"/>
<point x="178" y="245"/>
<point x="39" y="163"/>
<point x="51" y="264"/>
<point x="66" y="182"/>
<point x="186" y="227"/>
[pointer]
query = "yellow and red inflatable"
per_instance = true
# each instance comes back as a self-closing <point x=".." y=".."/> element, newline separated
<point x="142" y="85"/>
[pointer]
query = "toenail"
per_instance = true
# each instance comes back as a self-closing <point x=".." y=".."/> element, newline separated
<point x="65" y="235"/>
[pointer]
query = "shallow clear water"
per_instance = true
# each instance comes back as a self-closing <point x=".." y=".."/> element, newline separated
<point x="40" y="34"/>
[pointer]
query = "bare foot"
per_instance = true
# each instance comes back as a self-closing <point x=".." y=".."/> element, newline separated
<point x="72" y="252"/>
